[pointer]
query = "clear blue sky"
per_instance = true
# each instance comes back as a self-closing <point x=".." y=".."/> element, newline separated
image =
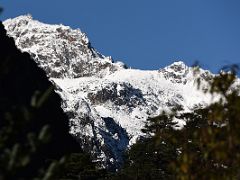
<point x="147" y="34"/>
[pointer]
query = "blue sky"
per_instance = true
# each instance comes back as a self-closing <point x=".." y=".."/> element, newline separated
<point x="147" y="34"/>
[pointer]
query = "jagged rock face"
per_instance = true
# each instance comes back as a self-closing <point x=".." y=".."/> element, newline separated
<point x="107" y="104"/>
<point x="61" y="51"/>
<point x="118" y="93"/>
<point x="176" y="72"/>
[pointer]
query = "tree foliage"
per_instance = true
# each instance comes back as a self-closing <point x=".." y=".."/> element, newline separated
<point x="151" y="156"/>
<point x="211" y="137"/>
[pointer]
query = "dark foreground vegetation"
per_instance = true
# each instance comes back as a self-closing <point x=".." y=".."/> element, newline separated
<point x="35" y="143"/>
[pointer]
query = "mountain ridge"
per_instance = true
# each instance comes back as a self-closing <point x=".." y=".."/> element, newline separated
<point x="107" y="104"/>
<point x="79" y="56"/>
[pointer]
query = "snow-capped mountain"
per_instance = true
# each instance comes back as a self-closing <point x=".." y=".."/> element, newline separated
<point x="107" y="103"/>
<point x="68" y="51"/>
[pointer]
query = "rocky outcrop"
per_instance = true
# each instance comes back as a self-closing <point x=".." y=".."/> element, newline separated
<point x="61" y="51"/>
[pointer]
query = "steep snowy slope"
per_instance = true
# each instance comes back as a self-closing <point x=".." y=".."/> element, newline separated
<point x="107" y="104"/>
<point x="130" y="96"/>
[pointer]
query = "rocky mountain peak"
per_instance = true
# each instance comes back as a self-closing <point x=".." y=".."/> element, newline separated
<point x="61" y="51"/>
<point x="176" y="72"/>
<point x="106" y="103"/>
<point x="178" y="66"/>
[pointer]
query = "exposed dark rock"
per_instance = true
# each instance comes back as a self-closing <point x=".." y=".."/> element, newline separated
<point x="126" y="95"/>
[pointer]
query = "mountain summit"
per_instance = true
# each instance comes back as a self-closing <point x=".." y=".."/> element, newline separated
<point x="61" y="51"/>
<point x="107" y="104"/>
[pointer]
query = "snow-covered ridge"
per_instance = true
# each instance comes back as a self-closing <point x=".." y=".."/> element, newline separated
<point x="107" y="104"/>
<point x="61" y="51"/>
